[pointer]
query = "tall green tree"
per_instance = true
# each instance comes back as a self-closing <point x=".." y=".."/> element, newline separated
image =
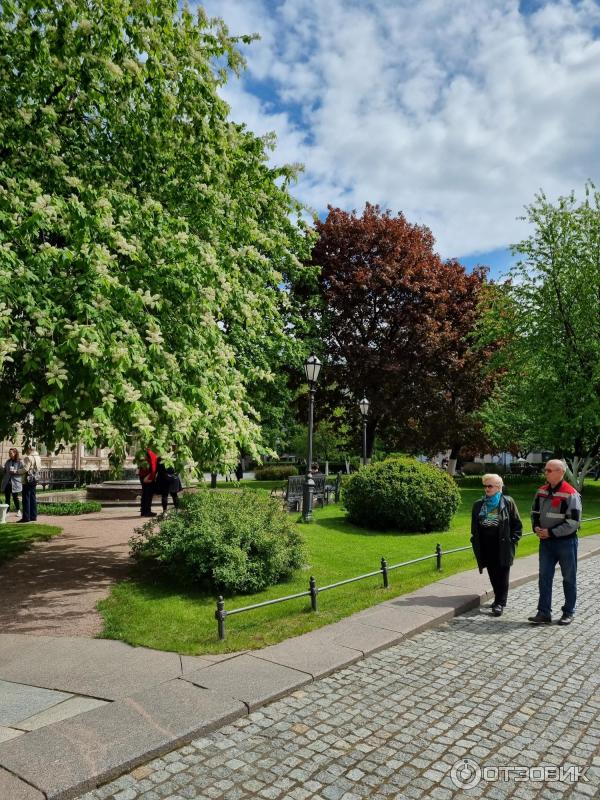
<point x="548" y="317"/>
<point x="146" y="245"/>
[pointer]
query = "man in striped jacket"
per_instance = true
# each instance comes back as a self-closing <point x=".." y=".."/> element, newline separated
<point x="555" y="517"/>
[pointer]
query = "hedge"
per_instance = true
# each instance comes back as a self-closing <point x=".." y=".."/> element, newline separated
<point x="69" y="509"/>
<point x="401" y="494"/>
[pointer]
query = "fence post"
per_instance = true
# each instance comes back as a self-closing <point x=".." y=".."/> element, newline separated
<point x="313" y="593"/>
<point x="384" y="571"/>
<point x="220" y="615"/>
<point x="438" y="554"/>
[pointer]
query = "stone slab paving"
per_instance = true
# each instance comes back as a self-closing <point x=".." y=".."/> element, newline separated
<point x="107" y="740"/>
<point x="249" y="679"/>
<point x="400" y="723"/>
<point x="19" y="702"/>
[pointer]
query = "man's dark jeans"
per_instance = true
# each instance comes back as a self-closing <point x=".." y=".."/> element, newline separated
<point x="29" y="502"/>
<point x="553" y="552"/>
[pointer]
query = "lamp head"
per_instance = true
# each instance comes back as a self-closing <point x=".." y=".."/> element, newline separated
<point x="312" y="367"/>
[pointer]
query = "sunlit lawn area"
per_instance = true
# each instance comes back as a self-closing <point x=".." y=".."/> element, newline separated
<point x="16" y="538"/>
<point x="146" y="610"/>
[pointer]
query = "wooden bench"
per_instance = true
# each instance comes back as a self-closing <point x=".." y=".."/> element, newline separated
<point x="57" y="478"/>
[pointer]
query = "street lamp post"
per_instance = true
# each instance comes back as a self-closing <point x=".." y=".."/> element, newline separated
<point x="364" y="410"/>
<point x="312" y="367"/>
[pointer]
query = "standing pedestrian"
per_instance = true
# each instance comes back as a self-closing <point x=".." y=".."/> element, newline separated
<point x="148" y="465"/>
<point x="12" y="483"/>
<point x="30" y="470"/>
<point x="555" y="517"/>
<point x="495" y="531"/>
<point x="168" y="483"/>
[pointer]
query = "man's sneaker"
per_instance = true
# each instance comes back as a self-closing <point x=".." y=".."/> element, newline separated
<point x="540" y="619"/>
<point x="497" y="610"/>
<point x="566" y="619"/>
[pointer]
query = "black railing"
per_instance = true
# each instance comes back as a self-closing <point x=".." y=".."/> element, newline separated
<point x="313" y="590"/>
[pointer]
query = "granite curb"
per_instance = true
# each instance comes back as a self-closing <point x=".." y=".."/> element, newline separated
<point x="159" y="701"/>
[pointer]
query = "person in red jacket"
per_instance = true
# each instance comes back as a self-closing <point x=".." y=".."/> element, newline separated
<point x="147" y="474"/>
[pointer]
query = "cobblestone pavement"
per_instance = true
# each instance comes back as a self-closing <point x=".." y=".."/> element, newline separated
<point x="496" y="691"/>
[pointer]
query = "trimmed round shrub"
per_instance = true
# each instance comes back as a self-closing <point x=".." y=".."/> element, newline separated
<point x="233" y="542"/>
<point x="401" y="494"/>
<point x="69" y="509"/>
<point x="274" y="473"/>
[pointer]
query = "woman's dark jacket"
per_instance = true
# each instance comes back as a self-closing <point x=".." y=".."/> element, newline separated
<point x="510" y="529"/>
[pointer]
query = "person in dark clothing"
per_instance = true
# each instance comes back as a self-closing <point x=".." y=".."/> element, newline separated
<point x="495" y="531"/>
<point x="167" y="483"/>
<point x="147" y="474"/>
<point x="12" y="479"/>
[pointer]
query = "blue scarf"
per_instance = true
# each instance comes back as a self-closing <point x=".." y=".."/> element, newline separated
<point x="491" y="503"/>
<point x="489" y="507"/>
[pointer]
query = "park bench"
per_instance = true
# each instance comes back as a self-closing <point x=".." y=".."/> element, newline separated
<point x="294" y="491"/>
<point x="57" y="478"/>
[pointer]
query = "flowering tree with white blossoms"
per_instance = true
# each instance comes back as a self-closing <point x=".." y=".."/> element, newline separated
<point x="145" y="242"/>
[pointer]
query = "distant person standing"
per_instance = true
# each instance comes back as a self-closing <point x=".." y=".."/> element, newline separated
<point x="167" y="483"/>
<point x="30" y="470"/>
<point x="12" y="483"/>
<point x="556" y="517"/>
<point x="148" y="467"/>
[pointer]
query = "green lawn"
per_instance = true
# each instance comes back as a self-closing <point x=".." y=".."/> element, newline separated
<point x="16" y="538"/>
<point x="146" y="610"/>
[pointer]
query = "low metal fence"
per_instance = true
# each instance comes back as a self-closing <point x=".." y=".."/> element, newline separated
<point x="313" y="590"/>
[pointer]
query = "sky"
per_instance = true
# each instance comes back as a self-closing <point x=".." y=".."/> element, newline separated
<point x="455" y="112"/>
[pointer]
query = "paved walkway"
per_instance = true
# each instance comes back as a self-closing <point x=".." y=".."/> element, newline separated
<point x="53" y="588"/>
<point x="401" y="723"/>
<point x="79" y="712"/>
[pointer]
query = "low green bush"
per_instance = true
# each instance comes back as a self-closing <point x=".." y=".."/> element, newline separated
<point x="233" y="542"/>
<point x="69" y="509"/>
<point x="401" y="494"/>
<point x="278" y="473"/>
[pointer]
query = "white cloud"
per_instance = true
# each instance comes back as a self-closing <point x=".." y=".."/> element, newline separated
<point x="453" y="111"/>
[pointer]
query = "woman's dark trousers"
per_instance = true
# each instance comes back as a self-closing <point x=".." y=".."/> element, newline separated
<point x="147" y="495"/>
<point x="29" y="502"/>
<point x="8" y="493"/>
<point x="499" y="575"/>
<point x="165" y="500"/>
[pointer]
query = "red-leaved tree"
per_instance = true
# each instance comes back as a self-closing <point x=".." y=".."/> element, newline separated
<point x="397" y="323"/>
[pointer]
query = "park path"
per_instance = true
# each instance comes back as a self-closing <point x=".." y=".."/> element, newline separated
<point x="53" y="588"/>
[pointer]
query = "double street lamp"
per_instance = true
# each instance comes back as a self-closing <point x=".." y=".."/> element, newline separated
<point x="312" y="367"/>
<point x="364" y="410"/>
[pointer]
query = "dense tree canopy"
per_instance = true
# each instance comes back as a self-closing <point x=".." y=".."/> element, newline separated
<point x="398" y="320"/>
<point x="548" y="317"/>
<point x="145" y="243"/>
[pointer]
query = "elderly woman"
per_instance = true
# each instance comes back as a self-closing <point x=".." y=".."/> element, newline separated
<point x="11" y="480"/>
<point x="495" y="530"/>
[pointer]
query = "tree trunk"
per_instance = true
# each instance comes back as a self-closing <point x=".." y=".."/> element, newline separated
<point x="213" y="480"/>
<point x="453" y="458"/>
